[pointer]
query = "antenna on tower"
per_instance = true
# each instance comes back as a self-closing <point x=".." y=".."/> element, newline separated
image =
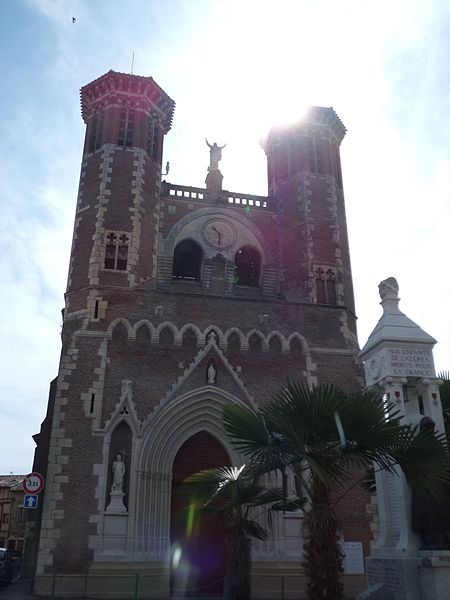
<point x="132" y="64"/>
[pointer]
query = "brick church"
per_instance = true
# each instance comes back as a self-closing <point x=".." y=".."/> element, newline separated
<point x="179" y="301"/>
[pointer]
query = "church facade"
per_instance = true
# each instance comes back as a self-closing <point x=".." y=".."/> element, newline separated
<point x="179" y="301"/>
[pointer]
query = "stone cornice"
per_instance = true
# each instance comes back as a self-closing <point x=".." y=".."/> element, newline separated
<point x="137" y="89"/>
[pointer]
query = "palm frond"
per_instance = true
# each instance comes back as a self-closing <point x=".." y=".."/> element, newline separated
<point x="305" y="416"/>
<point x="254" y="529"/>
<point x="424" y="458"/>
<point x="444" y="392"/>
<point x="248" y="431"/>
<point x="289" y="505"/>
<point x="203" y="487"/>
<point x="368" y="482"/>
<point x="267" y="496"/>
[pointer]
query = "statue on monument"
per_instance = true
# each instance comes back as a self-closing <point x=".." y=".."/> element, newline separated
<point x="388" y="289"/>
<point x="118" y="468"/>
<point x="215" y="155"/>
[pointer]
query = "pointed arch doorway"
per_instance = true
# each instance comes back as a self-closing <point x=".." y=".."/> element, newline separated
<point x="198" y="553"/>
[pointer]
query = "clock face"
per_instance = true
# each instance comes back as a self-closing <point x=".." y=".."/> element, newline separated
<point x="219" y="234"/>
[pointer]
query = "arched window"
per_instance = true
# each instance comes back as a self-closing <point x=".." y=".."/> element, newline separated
<point x="325" y="285"/>
<point x="153" y="137"/>
<point x="126" y="126"/>
<point x="187" y="261"/>
<point x="116" y="252"/>
<point x="247" y="266"/>
<point x="96" y="131"/>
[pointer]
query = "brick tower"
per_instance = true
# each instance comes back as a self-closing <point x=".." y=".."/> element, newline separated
<point x="179" y="301"/>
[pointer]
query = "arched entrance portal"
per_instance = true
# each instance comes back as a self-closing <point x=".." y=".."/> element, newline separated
<point x="198" y="557"/>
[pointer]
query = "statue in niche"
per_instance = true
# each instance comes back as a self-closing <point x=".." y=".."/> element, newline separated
<point x="215" y="155"/>
<point x="118" y="468"/>
<point x="431" y="516"/>
<point x="211" y="373"/>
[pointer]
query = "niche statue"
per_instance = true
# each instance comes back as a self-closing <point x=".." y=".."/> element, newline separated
<point x="118" y="468"/>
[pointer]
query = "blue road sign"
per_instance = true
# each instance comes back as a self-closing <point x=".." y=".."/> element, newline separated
<point x="30" y="501"/>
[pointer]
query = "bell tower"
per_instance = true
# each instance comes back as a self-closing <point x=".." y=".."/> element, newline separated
<point x="114" y="239"/>
<point x="305" y="182"/>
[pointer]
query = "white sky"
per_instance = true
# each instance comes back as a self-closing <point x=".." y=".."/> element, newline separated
<point x="233" y="67"/>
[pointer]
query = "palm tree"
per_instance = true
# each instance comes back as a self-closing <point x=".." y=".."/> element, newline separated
<point x="444" y="391"/>
<point x="322" y="435"/>
<point x="233" y="493"/>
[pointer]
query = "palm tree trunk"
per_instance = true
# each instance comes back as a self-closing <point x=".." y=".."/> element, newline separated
<point x="323" y="555"/>
<point x="237" y="582"/>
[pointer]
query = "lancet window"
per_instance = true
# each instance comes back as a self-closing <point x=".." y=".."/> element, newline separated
<point x="247" y="266"/>
<point x="153" y="137"/>
<point x="126" y="127"/>
<point x="325" y="285"/>
<point x="116" y="251"/>
<point x="96" y="136"/>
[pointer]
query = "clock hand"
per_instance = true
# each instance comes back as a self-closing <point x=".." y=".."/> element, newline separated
<point x="219" y="234"/>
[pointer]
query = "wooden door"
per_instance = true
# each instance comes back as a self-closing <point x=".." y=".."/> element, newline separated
<point x="198" y="557"/>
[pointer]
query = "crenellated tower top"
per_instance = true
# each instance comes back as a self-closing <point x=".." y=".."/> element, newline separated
<point x="316" y="118"/>
<point x="114" y="87"/>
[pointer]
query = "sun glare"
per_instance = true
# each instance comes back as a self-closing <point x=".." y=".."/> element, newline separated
<point x="276" y="65"/>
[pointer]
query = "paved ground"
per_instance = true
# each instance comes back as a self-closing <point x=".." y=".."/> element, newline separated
<point x="22" y="591"/>
<point x="16" y="591"/>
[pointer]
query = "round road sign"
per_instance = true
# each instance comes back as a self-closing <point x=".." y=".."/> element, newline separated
<point x="33" y="483"/>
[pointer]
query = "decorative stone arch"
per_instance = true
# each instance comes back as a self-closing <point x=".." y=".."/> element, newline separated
<point x="280" y="336"/>
<point x="145" y="323"/>
<point x="218" y="331"/>
<point x="188" y="257"/>
<point x="125" y="323"/>
<point x="230" y="332"/>
<point x="173" y="328"/>
<point x="118" y="414"/>
<point x="296" y="335"/>
<point x="195" y="329"/>
<point x="163" y="435"/>
<point x="264" y="344"/>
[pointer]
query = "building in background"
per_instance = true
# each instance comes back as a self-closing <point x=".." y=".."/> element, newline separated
<point x="12" y="513"/>
<point x="181" y="300"/>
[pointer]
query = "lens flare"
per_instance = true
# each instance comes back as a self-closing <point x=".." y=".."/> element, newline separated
<point x="190" y="520"/>
<point x="176" y="556"/>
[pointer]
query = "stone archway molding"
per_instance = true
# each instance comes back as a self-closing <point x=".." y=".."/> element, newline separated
<point x="186" y="415"/>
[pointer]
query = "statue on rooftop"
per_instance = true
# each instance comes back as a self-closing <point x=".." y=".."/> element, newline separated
<point x="215" y="154"/>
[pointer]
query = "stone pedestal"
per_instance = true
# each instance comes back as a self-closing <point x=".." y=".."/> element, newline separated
<point x="116" y="504"/>
<point x="214" y="180"/>
<point x="399" y="575"/>
<point x="434" y="569"/>
<point x="115" y="536"/>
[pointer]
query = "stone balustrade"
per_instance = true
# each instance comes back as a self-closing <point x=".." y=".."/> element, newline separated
<point x="182" y="192"/>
